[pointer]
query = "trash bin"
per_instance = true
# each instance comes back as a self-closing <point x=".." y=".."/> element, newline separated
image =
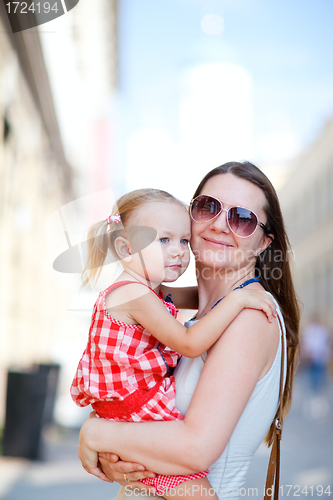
<point x="51" y="371"/>
<point x="29" y="406"/>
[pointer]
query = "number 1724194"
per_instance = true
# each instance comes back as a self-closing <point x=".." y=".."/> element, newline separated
<point x="34" y="7"/>
<point x="295" y="490"/>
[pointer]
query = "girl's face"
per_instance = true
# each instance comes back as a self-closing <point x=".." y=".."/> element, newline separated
<point x="213" y="243"/>
<point x="168" y="256"/>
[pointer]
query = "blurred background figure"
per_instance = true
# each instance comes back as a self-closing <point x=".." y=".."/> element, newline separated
<point x="316" y="352"/>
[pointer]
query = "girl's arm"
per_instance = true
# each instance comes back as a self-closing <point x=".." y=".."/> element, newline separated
<point x="233" y="366"/>
<point x="149" y="311"/>
<point x="183" y="297"/>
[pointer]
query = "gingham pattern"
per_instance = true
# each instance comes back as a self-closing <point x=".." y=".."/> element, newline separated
<point x="121" y="358"/>
<point x="162" y="406"/>
<point x="118" y="360"/>
<point x="165" y="483"/>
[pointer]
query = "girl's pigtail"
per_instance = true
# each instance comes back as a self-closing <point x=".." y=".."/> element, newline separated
<point x="98" y="242"/>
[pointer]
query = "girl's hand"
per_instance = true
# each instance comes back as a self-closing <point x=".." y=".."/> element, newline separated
<point x="117" y="470"/>
<point x="257" y="299"/>
<point x="89" y="456"/>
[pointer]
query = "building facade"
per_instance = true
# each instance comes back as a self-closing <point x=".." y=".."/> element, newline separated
<point x="36" y="177"/>
<point x="307" y="203"/>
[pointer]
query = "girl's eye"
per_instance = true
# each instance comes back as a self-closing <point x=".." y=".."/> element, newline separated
<point x="164" y="240"/>
<point x="184" y="242"/>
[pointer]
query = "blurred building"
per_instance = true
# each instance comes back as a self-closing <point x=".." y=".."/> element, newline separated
<point x="307" y="202"/>
<point x="80" y="52"/>
<point x="40" y="172"/>
<point x="35" y="179"/>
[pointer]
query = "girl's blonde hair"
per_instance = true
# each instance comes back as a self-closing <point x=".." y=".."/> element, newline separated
<point x="101" y="236"/>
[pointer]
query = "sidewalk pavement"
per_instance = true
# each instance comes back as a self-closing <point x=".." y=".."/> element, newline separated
<point x="59" y="476"/>
<point x="306" y="460"/>
<point x="306" y="446"/>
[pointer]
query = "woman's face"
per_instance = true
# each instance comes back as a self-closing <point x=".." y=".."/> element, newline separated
<point x="213" y="243"/>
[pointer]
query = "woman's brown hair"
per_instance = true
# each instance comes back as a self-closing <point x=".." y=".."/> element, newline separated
<point x="272" y="266"/>
<point x="101" y="236"/>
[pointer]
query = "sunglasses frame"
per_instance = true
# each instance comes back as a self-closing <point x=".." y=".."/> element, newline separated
<point x="260" y="224"/>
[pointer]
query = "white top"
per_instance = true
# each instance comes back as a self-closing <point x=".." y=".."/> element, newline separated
<point x="228" y="474"/>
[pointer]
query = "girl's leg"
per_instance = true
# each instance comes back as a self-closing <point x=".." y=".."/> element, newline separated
<point x="196" y="489"/>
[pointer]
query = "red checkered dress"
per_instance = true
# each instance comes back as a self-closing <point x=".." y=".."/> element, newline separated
<point x="123" y="375"/>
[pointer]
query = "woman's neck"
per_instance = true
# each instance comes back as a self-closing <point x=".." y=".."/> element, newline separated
<point x="215" y="284"/>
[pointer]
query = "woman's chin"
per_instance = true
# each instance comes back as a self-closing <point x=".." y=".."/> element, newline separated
<point x="217" y="261"/>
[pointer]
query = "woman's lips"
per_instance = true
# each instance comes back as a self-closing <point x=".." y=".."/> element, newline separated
<point x="217" y="243"/>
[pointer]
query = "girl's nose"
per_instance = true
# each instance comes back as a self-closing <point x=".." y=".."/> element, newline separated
<point x="176" y="250"/>
<point x="221" y="223"/>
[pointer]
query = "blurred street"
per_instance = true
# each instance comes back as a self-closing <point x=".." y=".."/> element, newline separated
<point x="306" y="446"/>
<point x="307" y="459"/>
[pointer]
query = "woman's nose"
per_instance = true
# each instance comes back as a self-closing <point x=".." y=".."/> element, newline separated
<point x="221" y="223"/>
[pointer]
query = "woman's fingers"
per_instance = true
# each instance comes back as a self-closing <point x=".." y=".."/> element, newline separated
<point x="123" y="472"/>
<point x="90" y="464"/>
<point x="112" y="457"/>
<point x="96" y="471"/>
<point x="120" y="465"/>
<point x="89" y="457"/>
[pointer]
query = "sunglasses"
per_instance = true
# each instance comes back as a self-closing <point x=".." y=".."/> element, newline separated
<point x="241" y="221"/>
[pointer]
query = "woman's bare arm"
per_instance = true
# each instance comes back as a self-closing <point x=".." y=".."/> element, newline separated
<point x="234" y="365"/>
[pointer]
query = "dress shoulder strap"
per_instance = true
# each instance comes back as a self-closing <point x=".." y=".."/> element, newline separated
<point x="100" y="303"/>
<point x="125" y="282"/>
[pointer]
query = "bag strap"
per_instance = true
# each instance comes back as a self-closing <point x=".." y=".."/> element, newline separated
<point x="273" y="472"/>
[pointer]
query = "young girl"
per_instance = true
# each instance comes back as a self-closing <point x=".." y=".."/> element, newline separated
<point x="134" y="342"/>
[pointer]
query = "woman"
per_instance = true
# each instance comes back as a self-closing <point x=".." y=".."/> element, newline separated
<point x="237" y="385"/>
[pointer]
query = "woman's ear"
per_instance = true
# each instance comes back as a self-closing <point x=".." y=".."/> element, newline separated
<point x="267" y="240"/>
<point x="123" y="249"/>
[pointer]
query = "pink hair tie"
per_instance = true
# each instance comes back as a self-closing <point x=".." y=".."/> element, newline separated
<point x="114" y="218"/>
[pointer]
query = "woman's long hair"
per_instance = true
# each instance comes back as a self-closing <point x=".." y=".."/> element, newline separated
<point x="272" y="266"/>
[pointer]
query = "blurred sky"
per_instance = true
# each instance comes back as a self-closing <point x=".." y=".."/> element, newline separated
<point x="200" y="82"/>
<point x="272" y="61"/>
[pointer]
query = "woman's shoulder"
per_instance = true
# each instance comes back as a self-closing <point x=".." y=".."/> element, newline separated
<point x="267" y="340"/>
<point x="250" y="338"/>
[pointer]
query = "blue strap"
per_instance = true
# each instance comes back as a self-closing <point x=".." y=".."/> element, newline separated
<point x="247" y="282"/>
<point x="251" y="280"/>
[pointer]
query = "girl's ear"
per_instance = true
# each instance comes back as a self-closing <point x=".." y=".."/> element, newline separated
<point x="123" y="249"/>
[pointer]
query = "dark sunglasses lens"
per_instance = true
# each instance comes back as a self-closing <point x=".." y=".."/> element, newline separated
<point x="242" y="221"/>
<point x="205" y="208"/>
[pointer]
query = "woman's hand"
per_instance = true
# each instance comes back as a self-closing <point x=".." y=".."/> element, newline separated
<point x="89" y="456"/>
<point x="124" y="473"/>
